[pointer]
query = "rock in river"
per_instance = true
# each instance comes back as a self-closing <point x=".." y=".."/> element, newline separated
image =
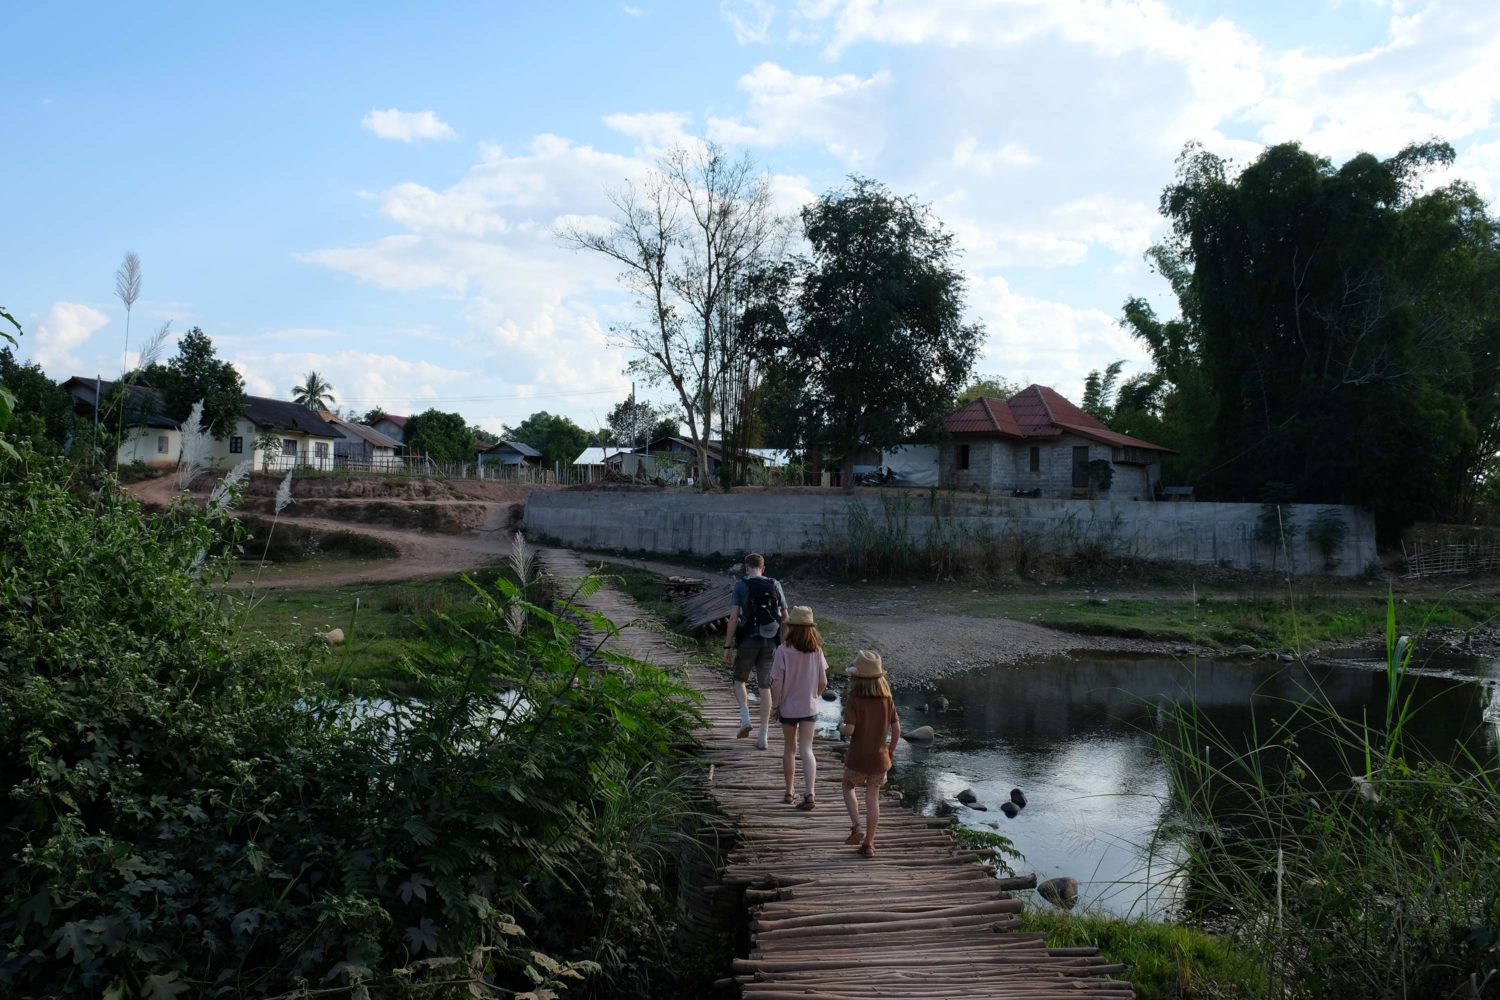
<point x="922" y="734"/>
<point x="1018" y="797"/>
<point x="1010" y="810"/>
<point x="1061" y="892"/>
<point x="967" y="797"/>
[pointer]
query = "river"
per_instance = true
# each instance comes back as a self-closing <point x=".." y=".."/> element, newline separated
<point x="1077" y="735"/>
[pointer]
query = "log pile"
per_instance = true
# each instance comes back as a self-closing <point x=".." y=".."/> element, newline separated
<point x="706" y="611"/>
<point x="924" y="918"/>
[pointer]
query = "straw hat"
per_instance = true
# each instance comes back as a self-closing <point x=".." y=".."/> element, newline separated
<point x="800" y="615"/>
<point x="867" y="664"/>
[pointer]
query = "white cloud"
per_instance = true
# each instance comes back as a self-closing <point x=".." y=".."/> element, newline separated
<point x="751" y="19"/>
<point x="1037" y="340"/>
<point x="632" y="11"/>
<point x="968" y="155"/>
<point x="407" y="126"/>
<point x="841" y="113"/>
<point x="68" y="326"/>
<point x="654" y="131"/>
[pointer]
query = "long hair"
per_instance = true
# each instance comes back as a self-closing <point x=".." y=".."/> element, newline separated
<point x="804" y="638"/>
<point x="869" y="687"/>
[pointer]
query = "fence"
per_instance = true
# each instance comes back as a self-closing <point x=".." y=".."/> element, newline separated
<point x="1451" y="558"/>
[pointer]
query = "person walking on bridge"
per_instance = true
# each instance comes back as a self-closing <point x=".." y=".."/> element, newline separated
<point x="757" y="624"/>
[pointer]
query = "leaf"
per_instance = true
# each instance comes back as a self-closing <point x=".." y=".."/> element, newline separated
<point x="246" y="921"/>
<point x="73" y="937"/>
<point x="546" y="961"/>
<point x="37" y="909"/>
<point x="422" y="937"/>
<point x="420" y="831"/>
<point x="415" y="886"/>
<point x="163" y="987"/>
<point x="514" y="930"/>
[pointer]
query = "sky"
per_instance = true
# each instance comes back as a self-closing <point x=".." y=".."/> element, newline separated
<point x="372" y="191"/>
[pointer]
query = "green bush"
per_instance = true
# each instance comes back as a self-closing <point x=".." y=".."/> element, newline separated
<point x="188" y="814"/>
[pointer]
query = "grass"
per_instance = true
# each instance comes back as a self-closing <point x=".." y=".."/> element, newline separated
<point x="391" y="620"/>
<point x="1166" y="961"/>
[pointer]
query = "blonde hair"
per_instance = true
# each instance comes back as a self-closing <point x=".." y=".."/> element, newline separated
<point x="804" y="638"/>
<point x="869" y="687"/>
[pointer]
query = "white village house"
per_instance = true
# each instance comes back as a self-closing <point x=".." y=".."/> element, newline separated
<point x="273" y="433"/>
<point x="1037" y="443"/>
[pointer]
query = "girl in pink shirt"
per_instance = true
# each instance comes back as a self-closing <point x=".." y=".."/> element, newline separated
<point x="799" y="673"/>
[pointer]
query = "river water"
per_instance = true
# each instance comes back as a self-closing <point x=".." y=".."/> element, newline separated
<point x="1077" y="735"/>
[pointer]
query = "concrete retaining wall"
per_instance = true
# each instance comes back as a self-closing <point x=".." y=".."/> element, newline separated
<point x="670" y="521"/>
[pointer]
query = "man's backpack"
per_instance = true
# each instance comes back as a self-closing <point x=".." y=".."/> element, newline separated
<point x="763" y="616"/>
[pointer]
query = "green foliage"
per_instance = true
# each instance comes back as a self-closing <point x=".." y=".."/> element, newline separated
<point x="1098" y="388"/>
<point x="1350" y="860"/>
<point x="635" y="424"/>
<point x="196" y="374"/>
<point x="43" y="411"/>
<point x="1101" y="473"/>
<point x="1337" y="330"/>
<point x="556" y="437"/>
<point x="1327" y="532"/>
<point x="189" y="813"/>
<point x="993" y="386"/>
<point x="7" y="398"/>
<point x="372" y="416"/>
<point x="879" y="347"/>
<point x="442" y="437"/>
<point x="1166" y="961"/>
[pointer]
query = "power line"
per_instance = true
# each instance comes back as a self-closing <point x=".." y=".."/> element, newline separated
<point x="476" y="399"/>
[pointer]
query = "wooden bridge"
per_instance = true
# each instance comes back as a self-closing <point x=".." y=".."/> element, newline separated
<point x="925" y="918"/>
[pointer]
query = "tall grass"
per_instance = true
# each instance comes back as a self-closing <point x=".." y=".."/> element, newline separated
<point x="1352" y="860"/>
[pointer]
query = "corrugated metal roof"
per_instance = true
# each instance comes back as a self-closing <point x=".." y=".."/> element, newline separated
<point x="283" y="415"/>
<point x="366" y="434"/>
<point x="519" y="447"/>
<point x="1036" y="412"/>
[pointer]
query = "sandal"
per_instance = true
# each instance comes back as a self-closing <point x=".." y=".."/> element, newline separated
<point x="745" y="731"/>
<point x="789" y="798"/>
<point x="867" y="849"/>
<point x="808" y="803"/>
<point x="856" y="835"/>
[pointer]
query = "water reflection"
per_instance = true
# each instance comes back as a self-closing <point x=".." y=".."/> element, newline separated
<point x="1077" y="736"/>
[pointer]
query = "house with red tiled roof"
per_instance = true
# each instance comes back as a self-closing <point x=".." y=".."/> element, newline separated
<point x="1037" y="443"/>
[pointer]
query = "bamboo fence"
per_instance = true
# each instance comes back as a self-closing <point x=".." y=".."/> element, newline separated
<point x="924" y="918"/>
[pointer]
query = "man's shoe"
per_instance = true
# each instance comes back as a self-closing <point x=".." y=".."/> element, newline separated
<point x="745" y="731"/>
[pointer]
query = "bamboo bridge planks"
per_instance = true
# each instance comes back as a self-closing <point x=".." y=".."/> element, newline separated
<point x="923" y="919"/>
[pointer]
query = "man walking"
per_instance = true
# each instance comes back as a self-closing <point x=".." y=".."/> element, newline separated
<point x="757" y="623"/>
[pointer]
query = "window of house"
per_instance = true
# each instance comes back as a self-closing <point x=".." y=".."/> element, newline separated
<point x="161" y="444"/>
<point x="289" y="447"/>
<point x="236" y="445"/>
<point x="1036" y="460"/>
<point x="320" y="449"/>
<point x="963" y="456"/>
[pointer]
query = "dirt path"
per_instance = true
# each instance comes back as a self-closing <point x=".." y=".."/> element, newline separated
<point x="423" y="556"/>
<point x="919" y="641"/>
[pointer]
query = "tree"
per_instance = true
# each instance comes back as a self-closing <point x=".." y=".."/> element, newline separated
<point x="195" y="373"/>
<point x="686" y="239"/>
<point x="442" y="437"/>
<point x="634" y="424"/>
<point x="993" y="386"/>
<point x="1338" y="329"/>
<point x="559" y="439"/>
<point x="879" y="347"/>
<point x="314" y="393"/>
<point x="372" y="416"/>
<point x="1098" y="389"/>
<point x="44" y="412"/>
<point x="481" y="436"/>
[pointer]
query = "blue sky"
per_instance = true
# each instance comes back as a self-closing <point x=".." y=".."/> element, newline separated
<point x="371" y="190"/>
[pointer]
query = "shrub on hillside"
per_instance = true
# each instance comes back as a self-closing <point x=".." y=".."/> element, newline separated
<point x="188" y="814"/>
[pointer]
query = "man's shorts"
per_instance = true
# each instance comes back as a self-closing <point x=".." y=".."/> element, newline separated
<point x="757" y="654"/>
<point x="870" y="781"/>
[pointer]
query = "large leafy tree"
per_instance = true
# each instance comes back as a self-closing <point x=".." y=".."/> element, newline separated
<point x="314" y="393"/>
<point x="555" y="436"/>
<point x="878" y="346"/>
<point x="993" y="386"/>
<point x="195" y="373"/>
<point x="442" y="437"/>
<point x="686" y="240"/>
<point x="1338" y="329"/>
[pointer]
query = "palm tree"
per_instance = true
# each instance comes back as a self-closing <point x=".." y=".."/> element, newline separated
<point x="313" y="393"/>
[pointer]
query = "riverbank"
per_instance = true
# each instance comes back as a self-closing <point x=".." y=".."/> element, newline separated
<point x="931" y="630"/>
